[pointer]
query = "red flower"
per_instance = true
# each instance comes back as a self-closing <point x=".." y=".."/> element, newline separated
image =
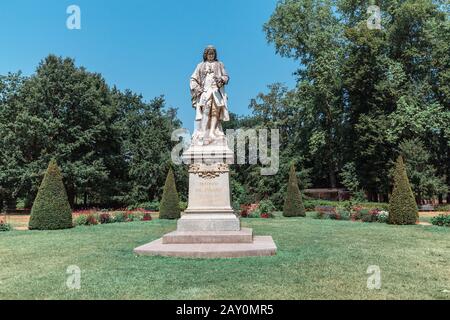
<point x="147" y="217"/>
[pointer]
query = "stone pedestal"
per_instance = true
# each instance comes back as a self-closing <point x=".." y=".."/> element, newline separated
<point x="209" y="228"/>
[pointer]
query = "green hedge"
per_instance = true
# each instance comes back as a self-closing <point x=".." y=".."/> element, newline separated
<point x="293" y="205"/>
<point x="311" y="204"/>
<point x="170" y="204"/>
<point x="51" y="209"/>
<point x="402" y="205"/>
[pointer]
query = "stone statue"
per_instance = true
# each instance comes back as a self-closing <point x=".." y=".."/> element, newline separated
<point x="207" y="86"/>
<point x="209" y="227"/>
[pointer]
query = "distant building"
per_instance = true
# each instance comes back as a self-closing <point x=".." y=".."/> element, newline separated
<point x="332" y="194"/>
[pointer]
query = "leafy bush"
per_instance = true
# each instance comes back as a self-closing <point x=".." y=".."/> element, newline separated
<point x="383" y="217"/>
<point x="51" y="209"/>
<point x="364" y="212"/>
<point x="293" y="205"/>
<point x="368" y="218"/>
<point x="119" y="217"/>
<point x="328" y="215"/>
<point x="5" y="226"/>
<point x="245" y="210"/>
<point x="85" y="220"/>
<point x="80" y="220"/>
<point x="443" y="207"/>
<point x="312" y="203"/>
<point x="266" y="208"/>
<point x="146" y="217"/>
<point x="356" y="215"/>
<point x="402" y="204"/>
<point x="183" y="205"/>
<point x="441" y="220"/>
<point x="327" y="212"/>
<point x="254" y="214"/>
<point x="150" y="206"/>
<point x="170" y="203"/>
<point x="130" y="217"/>
<point x="344" y="213"/>
<point x="91" y="220"/>
<point x="334" y="216"/>
<point x="105" y="218"/>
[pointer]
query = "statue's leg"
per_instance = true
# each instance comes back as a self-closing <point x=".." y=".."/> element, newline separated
<point x="205" y="117"/>
<point x="219" y="131"/>
<point x="214" y="119"/>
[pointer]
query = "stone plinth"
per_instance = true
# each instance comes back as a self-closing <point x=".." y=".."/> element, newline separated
<point x="209" y="222"/>
<point x="245" y="235"/>
<point x="209" y="228"/>
<point x="261" y="246"/>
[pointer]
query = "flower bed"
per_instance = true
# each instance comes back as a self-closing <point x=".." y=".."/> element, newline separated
<point x="264" y="210"/>
<point x="442" y="220"/>
<point x="356" y="213"/>
<point x="93" y="217"/>
<point x="4" y="226"/>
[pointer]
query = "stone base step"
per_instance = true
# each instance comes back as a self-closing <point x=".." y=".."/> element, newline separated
<point x="245" y="235"/>
<point x="208" y="222"/>
<point x="261" y="246"/>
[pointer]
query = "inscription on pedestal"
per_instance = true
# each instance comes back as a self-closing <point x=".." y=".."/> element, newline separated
<point x="209" y="187"/>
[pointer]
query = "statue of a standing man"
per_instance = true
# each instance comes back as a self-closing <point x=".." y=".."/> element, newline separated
<point x="209" y="98"/>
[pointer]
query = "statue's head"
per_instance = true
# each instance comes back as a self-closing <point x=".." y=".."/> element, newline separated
<point x="210" y="54"/>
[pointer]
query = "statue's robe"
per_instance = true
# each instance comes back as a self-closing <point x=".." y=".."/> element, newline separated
<point x="201" y="80"/>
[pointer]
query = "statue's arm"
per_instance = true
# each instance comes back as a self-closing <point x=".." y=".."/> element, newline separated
<point x="225" y="77"/>
<point x="194" y="83"/>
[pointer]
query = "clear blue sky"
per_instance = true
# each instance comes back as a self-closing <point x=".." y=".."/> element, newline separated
<point x="149" y="46"/>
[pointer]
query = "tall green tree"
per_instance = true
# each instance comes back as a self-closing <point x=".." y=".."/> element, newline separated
<point x="64" y="112"/>
<point x="361" y="91"/>
<point x="112" y="146"/>
<point x="11" y="160"/>
<point x="422" y="175"/>
<point x="145" y="136"/>
<point x="310" y="32"/>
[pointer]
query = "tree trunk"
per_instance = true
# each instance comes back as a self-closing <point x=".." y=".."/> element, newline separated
<point x="71" y="195"/>
<point x="448" y="184"/>
<point x="11" y="204"/>
<point x="85" y="199"/>
<point x="332" y="175"/>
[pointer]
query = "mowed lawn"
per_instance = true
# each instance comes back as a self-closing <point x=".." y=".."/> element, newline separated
<point x="316" y="259"/>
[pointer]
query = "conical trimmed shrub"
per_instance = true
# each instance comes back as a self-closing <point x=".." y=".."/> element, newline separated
<point x="51" y="209"/>
<point x="402" y="204"/>
<point x="170" y="205"/>
<point x="293" y="205"/>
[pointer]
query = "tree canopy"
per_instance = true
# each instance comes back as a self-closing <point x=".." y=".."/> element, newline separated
<point x="112" y="146"/>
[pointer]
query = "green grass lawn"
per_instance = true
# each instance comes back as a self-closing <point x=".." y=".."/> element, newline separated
<point x="317" y="259"/>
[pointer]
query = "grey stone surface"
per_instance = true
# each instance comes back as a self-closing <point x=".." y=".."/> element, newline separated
<point x="209" y="222"/>
<point x="261" y="246"/>
<point x="245" y="235"/>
